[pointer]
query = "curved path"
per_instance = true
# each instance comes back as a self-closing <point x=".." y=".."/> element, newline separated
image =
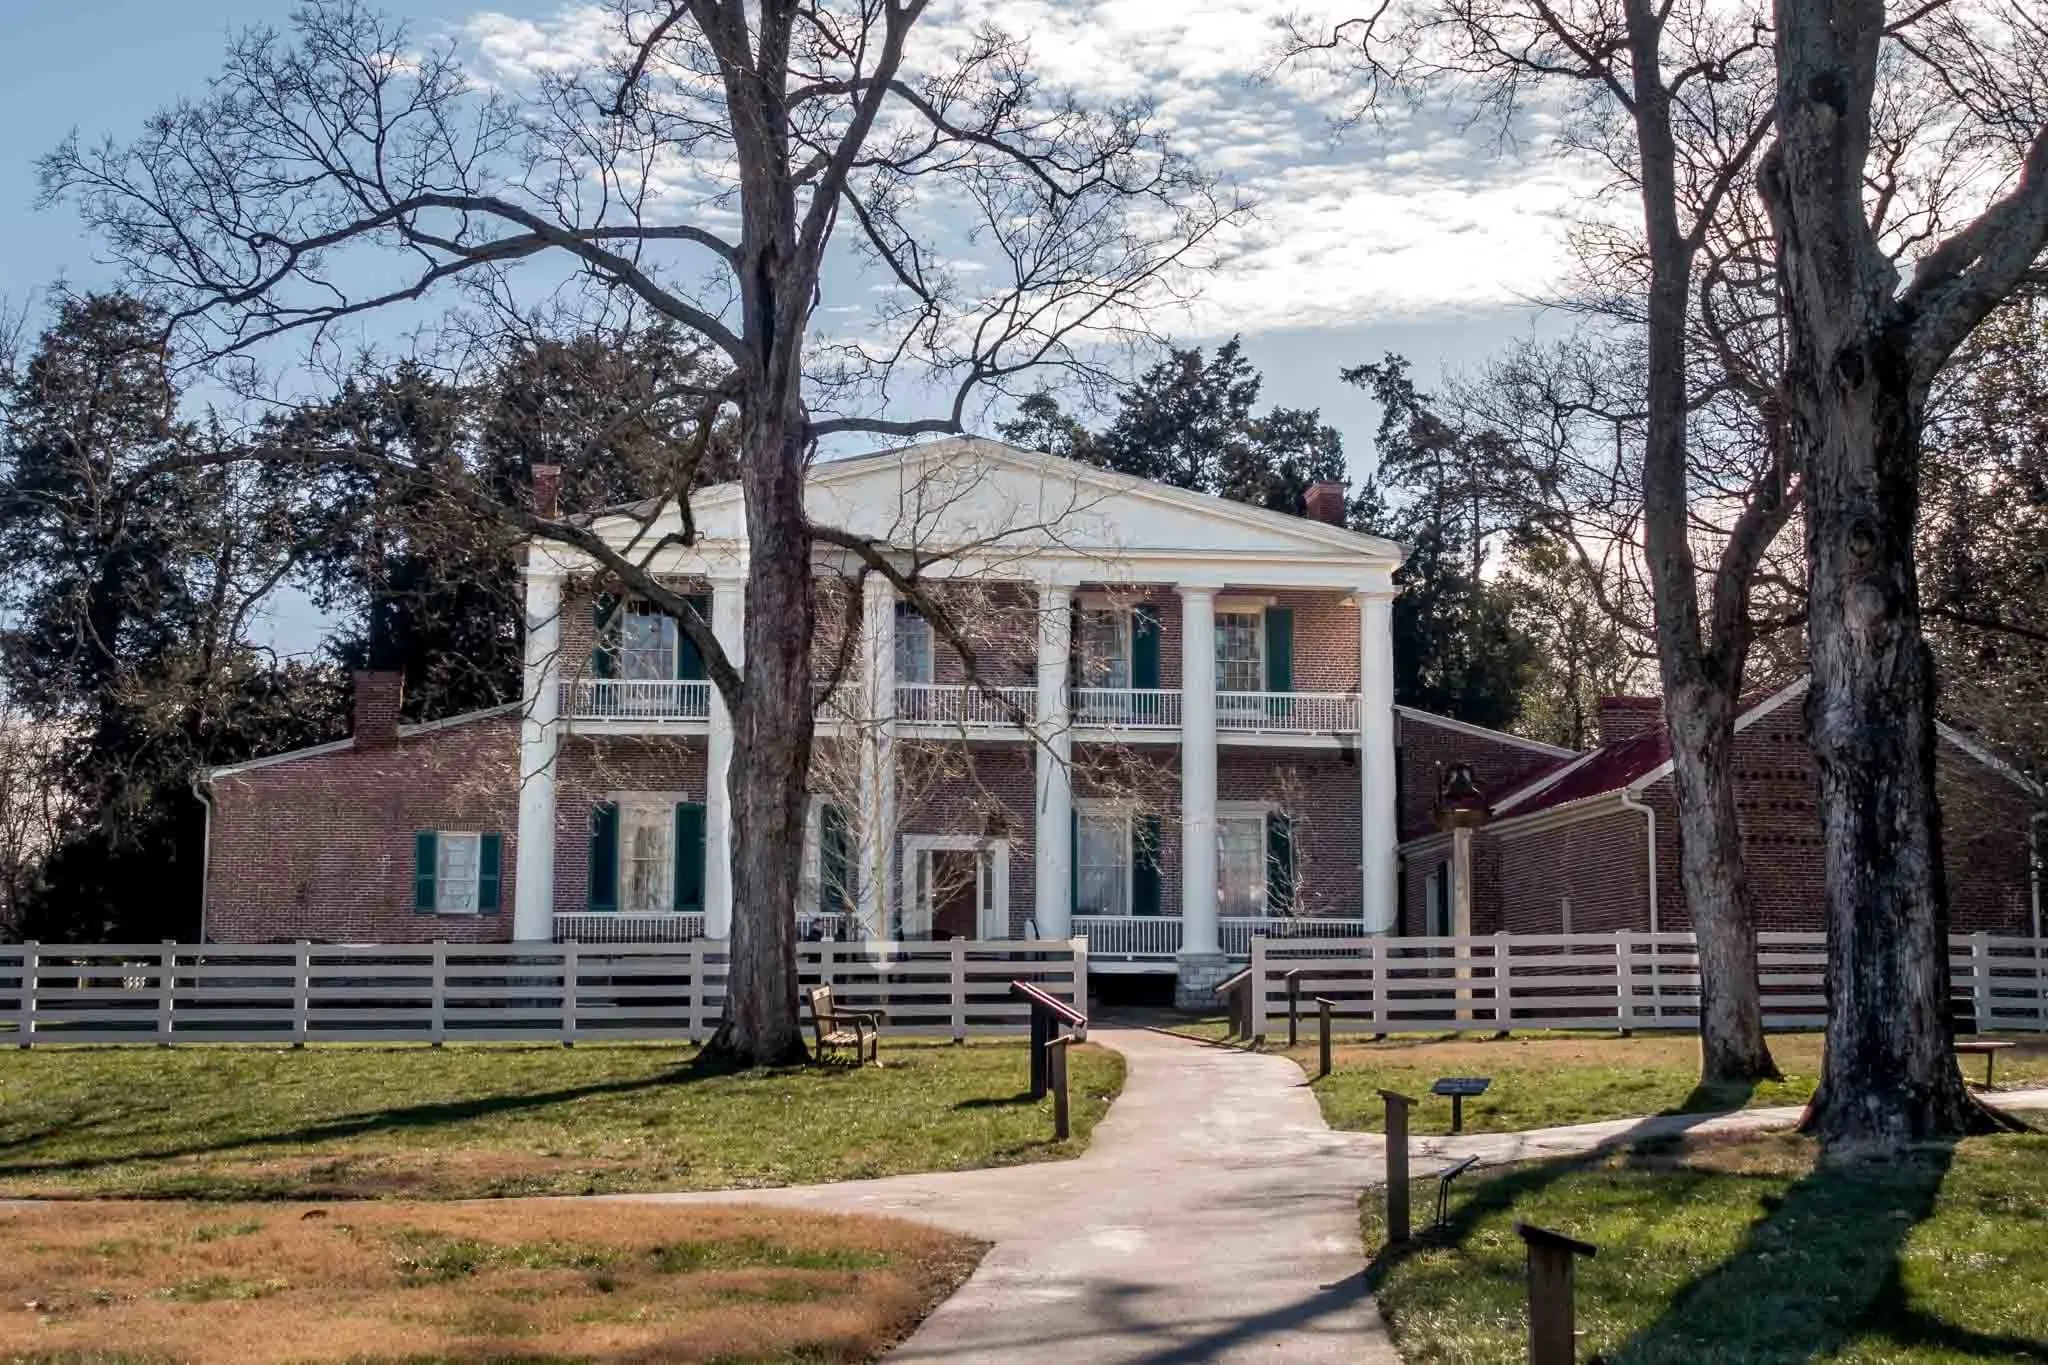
<point x="1214" y="1217"/>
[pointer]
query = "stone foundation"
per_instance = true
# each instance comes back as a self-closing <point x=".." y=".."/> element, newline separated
<point x="1199" y="975"/>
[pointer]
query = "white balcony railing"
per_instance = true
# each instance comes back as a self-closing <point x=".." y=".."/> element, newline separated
<point x="956" y="704"/>
<point x="1287" y="713"/>
<point x="626" y="926"/>
<point x="1159" y="936"/>
<point x="636" y="699"/>
<point x="1127" y="708"/>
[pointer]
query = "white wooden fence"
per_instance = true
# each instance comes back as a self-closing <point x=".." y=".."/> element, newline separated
<point x="493" y="992"/>
<point x="1500" y="982"/>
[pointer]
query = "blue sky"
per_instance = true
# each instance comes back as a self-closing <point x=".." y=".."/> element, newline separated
<point x="1410" y="239"/>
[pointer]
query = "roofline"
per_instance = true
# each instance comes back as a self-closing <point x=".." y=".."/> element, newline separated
<point x="1483" y="732"/>
<point x="832" y="471"/>
<point x="1768" y="706"/>
<point x="336" y="746"/>
<point x="1547" y="781"/>
<point x="1570" y="813"/>
<point x="1989" y="759"/>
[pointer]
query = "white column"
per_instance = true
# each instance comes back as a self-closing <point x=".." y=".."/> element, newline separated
<point x="1198" y="771"/>
<point x="728" y="606"/>
<point x="1053" y="836"/>
<point x="1376" y="756"/>
<point x="540" y="735"/>
<point x="877" y="740"/>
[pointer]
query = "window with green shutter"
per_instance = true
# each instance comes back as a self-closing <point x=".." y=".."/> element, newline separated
<point x="1147" y="885"/>
<point x="490" y="872"/>
<point x="426" y="866"/>
<point x="835" y="861"/>
<point x="689" y="658"/>
<point x="604" y="636"/>
<point x="689" y="856"/>
<point x="1145" y="646"/>
<point x="603" y="892"/>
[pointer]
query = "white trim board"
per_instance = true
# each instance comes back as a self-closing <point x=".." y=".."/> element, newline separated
<point x="1464" y="727"/>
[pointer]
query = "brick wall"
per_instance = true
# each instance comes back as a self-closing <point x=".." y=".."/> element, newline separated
<point x="1320" y="789"/>
<point x="973" y="789"/>
<point x="596" y="768"/>
<point x="1424" y="747"/>
<point x="321" y="847"/>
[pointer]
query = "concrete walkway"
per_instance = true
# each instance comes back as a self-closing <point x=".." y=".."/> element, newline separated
<point x="1214" y="1217"/>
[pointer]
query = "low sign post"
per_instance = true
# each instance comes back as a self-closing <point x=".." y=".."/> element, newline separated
<point x="1397" y="1166"/>
<point x="1551" y="1258"/>
<point x="1323" y="1007"/>
<point x="1056" y="1059"/>
<point x="1458" y="1087"/>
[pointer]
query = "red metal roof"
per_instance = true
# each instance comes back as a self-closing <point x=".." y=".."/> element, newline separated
<point x="1604" y="770"/>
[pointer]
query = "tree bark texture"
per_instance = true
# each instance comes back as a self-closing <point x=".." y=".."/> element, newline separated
<point x="1701" y="678"/>
<point x="1857" y="403"/>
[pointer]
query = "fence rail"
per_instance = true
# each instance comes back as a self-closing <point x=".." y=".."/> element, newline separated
<point x="1627" y="980"/>
<point x="528" y="992"/>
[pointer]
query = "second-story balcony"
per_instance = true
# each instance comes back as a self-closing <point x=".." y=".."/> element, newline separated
<point x="633" y="702"/>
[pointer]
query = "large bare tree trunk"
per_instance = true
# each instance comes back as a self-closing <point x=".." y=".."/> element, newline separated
<point x="1700" y="679"/>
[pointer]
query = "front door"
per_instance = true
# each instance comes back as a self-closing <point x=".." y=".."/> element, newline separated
<point x="955" y="892"/>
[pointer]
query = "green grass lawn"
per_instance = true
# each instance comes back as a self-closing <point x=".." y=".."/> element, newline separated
<point x="1545" y="1080"/>
<point x="1744" y="1252"/>
<point x="466" y="1121"/>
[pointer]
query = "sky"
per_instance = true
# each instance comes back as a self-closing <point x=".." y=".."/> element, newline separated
<point x="1412" y="237"/>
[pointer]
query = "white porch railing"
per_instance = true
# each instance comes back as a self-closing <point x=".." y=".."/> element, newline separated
<point x="1159" y="936"/>
<point x="1287" y="713"/>
<point x="625" y="699"/>
<point x="626" y="926"/>
<point x="1127" y="708"/>
<point x="958" y="704"/>
<point x="460" y="992"/>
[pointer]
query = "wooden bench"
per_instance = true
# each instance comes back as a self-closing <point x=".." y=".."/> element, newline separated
<point x="838" y="1028"/>
<point x="1984" y="1048"/>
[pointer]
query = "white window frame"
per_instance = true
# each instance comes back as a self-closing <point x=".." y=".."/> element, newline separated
<point x="665" y="804"/>
<point x="912" y="627"/>
<point x="1245" y="810"/>
<point x="444" y="839"/>
<point x="671" y="647"/>
<point x="1120" y="622"/>
<point x="1258" y="636"/>
<point x="1097" y="808"/>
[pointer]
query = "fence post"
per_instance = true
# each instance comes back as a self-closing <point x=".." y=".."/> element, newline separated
<point x="1980" y="981"/>
<point x="1294" y="1008"/>
<point x="1323" y="1004"/>
<point x="31" y="952"/>
<point x="1376" y="982"/>
<point x="1255" y="1009"/>
<point x="1625" y="982"/>
<point x="1397" y="1166"/>
<point x="1079" y="1000"/>
<point x="166" y="988"/>
<point x="572" y="968"/>
<point x="437" y="1028"/>
<point x="302" y="992"/>
<point x="1502" y="1005"/>
<point x="700" y="982"/>
<point x="956" y="967"/>
<point x="1551" y="1258"/>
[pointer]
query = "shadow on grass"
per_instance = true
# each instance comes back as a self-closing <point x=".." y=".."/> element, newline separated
<point x="396" y="1119"/>
<point x="1019" y="1100"/>
<point x="1716" y="1097"/>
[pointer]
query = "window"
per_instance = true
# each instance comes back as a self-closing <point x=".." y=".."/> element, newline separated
<point x="456" y="872"/>
<point x="1436" y="903"/>
<point x="1240" y="651"/>
<point x="1241" y="865"/>
<point x="646" y="857"/>
<point x="647" y="644"/>
<point x="1105" y="648"/>
<point x="1102" y="864"/>
<point x="913" y="646"/>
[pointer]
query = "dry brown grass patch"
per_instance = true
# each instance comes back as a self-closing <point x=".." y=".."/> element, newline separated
<point x="464" y="1282"/>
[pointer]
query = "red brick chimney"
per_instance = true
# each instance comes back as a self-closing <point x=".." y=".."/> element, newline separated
<point x="547" y="490"/>
<point x="1325" y="502"/>
<point x="1626" y="717"/>
<point x="376" y="716"/>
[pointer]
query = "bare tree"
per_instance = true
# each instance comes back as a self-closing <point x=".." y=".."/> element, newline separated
<point x="32" y="806"/>
<point x="700" y="174"/>
<point x="1867" y="343"/>
<point x="1672" y="101"/>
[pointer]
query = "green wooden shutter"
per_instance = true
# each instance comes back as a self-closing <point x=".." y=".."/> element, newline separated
<point x="1146" y="886"/>
<point x="689" y="856"/>
<point x="1073" y="862"/>
<point x="604" y="857"/>
<point x="490" y="872"/>
<point x="604" y="636"/>
<point x="1280" y="889"/>
<point x="835" y="861"/>
<point x="426" y="867"/>
<point x="689" y="658"/>
<point x="1279" y="649"/>
<point x="1145" y="646"/>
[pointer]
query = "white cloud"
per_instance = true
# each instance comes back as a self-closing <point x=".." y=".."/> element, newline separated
<point x="1407" y="219"/>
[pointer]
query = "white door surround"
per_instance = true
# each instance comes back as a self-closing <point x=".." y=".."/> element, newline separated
<point x="992" y="902"/>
